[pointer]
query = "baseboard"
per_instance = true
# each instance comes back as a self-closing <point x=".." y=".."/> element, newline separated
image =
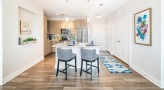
<point x="147" y="76"/>
<point x="162" y="85"/>
<point x="13" y="75"/>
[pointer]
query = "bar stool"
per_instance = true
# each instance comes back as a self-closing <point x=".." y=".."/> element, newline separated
<point x="65" y="55"/>
<point x="89" y="56"/>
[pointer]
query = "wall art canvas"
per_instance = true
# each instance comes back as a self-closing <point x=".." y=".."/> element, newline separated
<point x="25" y="27"/>
<point x="142" y="25"/>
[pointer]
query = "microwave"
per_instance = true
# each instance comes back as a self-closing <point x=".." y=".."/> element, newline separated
<point x="65" y="31"/>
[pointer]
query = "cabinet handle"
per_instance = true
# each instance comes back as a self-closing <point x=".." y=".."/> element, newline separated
<point x="118" y="41"/>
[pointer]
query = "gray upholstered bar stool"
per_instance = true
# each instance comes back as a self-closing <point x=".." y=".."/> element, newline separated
<point x="89" y="56"/>
<point x="65" y="55"/>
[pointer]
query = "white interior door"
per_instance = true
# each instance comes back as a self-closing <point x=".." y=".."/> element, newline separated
<point x="124" y="53"/>
<point x="99" y="35"/>
<point x="108" y="39"/>
<point x="120" y="39"/>
<point x="116" y="39"/>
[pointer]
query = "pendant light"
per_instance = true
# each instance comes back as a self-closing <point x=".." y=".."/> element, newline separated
<point x="88" y="17"/>
<point x="66" y="18"/>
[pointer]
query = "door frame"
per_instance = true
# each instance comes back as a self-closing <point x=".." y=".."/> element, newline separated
<point x="107" y="38"/>
<point x="162" y="44"/>
<point x="1" y="45"/>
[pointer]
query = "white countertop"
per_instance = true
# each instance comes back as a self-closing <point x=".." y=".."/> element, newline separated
<point x="75" y="46"/>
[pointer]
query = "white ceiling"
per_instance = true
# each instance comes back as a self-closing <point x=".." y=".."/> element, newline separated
<point x="79" y="8"/>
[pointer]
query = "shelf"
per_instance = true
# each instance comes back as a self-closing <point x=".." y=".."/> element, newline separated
<point x="28" y="45"/>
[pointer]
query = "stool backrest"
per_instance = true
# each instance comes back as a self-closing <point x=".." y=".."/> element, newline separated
<point x="88" y="54"/>
<point x="64" y="54"/>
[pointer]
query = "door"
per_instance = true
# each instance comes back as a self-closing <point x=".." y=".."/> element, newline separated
<point x="108" y="39"/>
<point x="124" y="51"/>
<point x="99" y="36"/>
<point x="120" y="39"/>
<point x="116" y="39"/>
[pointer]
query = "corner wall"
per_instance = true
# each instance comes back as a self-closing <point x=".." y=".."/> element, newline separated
<point x="1" y="58"/>
<point x="144" y="59"/>
<point x="16" y="58"/>
<point x="162" y="49"/>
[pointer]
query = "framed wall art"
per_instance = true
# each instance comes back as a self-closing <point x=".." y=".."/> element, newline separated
<point x="143" y="27"/>
<point x="25" y="27"/>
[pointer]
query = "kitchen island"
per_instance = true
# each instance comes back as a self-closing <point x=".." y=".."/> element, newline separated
<point x="75" y="49"/>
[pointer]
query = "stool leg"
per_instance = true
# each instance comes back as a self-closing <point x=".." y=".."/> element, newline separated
<point x="81" y="67"/>
<point x="86" y="65"/>
<point x="57" y="68"/>
<point x="75" y="65"/>
<point x="91" y="71"/>
<point x="98" y="64"/>
<point x="66" y="70"/>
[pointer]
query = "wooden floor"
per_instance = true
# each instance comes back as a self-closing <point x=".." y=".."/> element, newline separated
<point x="42" y="77"/>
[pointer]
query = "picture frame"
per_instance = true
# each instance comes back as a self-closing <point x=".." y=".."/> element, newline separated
<point x="143" y="27"/>
<point x="25" y="27"/>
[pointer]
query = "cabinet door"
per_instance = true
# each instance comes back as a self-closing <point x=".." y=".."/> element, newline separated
<point x="48" y="27"/>
<point x="45" y="25"/>
<point x="63" y="24"/>
<point x="83" y="23"/>
<point x="55" y="27"/>
<point x="78" y="23"/>
<point x="51" y="27"/>
<point x="58" y="27"/>
<point x="49" y="47"/>
<point x="72" y="27"/>
<point x="45" y="34"/>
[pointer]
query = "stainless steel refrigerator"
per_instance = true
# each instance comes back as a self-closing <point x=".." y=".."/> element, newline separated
<point x="82" y="35"/>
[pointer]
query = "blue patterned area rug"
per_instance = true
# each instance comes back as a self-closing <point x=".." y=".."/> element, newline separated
<point x="113" y="65"/>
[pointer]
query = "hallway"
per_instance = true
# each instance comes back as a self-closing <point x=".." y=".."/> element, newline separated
<point x="42" y="77"/>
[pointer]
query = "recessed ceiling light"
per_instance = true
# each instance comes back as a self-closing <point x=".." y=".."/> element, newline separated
<point x="101" y="4"/>
<point x="99" y="17"/>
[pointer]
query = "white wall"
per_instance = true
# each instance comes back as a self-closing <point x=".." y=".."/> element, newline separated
<point x="28" y="16"/>
<point x="1" y="43"/>
<point x="17" y="59"/>
<point x="94" y="23"/>
<point x="144" y="59"/>
<point x="162" y="49"/>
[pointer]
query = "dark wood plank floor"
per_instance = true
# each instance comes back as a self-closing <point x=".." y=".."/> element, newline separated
<point x="42" y="77"/>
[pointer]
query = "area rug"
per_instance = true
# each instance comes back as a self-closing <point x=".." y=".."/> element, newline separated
<point x="104" y="53"/>
<point x="113" y="65"/>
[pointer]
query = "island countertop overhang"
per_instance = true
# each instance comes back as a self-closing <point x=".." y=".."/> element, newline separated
<point x="63" y="45"/>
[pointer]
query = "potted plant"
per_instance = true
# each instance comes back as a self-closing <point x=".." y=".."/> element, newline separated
<point x="25" y="41"/>
<point x="34" y="40"/>
<point x="30" y="40"/>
